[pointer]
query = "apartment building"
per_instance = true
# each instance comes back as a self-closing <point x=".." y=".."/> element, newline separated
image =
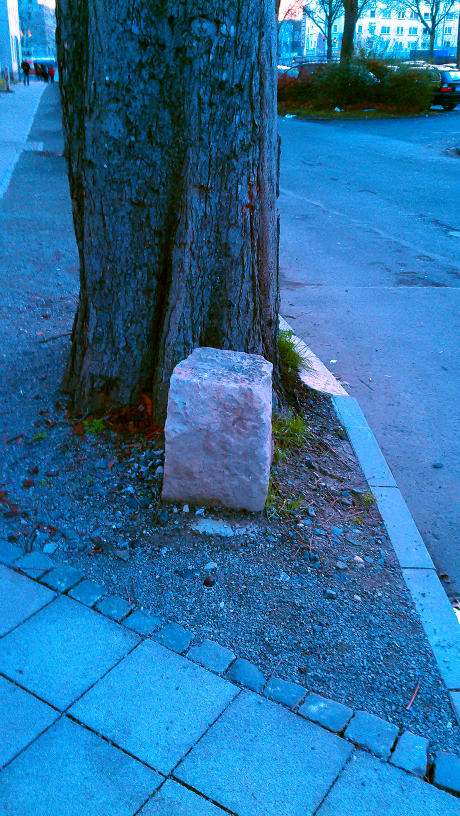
<point x="10" y="49"/>
<point x="382" y="29"/>
<point x="38" y="28"/>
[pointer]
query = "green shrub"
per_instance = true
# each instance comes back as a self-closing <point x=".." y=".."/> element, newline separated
<point x="345" y="84"/>
<point x="406" y="89"/>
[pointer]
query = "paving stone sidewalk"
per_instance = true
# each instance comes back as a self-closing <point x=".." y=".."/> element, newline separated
<point x="95" y="719"/>
<point x="17" y="111"/>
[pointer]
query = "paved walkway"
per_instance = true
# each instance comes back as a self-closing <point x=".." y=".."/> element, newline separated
<point x="96" y="719"/>
<point x="17" y="111"/>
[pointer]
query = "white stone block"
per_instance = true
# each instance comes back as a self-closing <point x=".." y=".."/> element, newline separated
<point x="218" y="436"/>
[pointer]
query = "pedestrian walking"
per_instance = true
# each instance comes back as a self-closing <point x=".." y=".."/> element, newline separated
<point x="25" y="68"/>
<point x="37" y="70"/>
<point x="52" y="73"/>
<point x="44" y="72"/>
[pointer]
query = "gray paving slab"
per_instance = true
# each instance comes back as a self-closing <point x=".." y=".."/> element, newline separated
<point x="87" y="592"/>
<point x="34" y="564"/>
<point x="364" y="442"/>
<point x="142" y="623"/>
<point x="22" y="718"/>
<point x="69" y="771"/>
<point x="439" y="621"/>
<point x="173" y="799"/>
<point x="9" y="553"/>
<point x="283" y="691"/>
<point x="259" y="759"/>
<point x="19" y="598"/>
<point x="369" y="787"/>
<point x="212" y="656"/>
<point x="114" y="607"/>
<point x="372" y="732"/>
<point x="328" y="713"/>
<point x="411" y="754"/>
<point x="167" y="704"/>
<point x="63" y="649"/>
<point x="405" y="537"/>
<point x="62" y="578"/>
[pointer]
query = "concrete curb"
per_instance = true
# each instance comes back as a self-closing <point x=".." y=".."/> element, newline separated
<point x="436" y="614"/>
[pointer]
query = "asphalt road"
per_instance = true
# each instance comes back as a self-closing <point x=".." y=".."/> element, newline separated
<point x="370" y="274"/>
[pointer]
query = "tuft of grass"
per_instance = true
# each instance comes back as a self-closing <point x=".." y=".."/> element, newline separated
<point x="291" y="360"/>
<point x="279" y="506"/>
<point x="94" y="426"/>
<point x="39" y="436"/>
<point x="367" y="498"/>
<point x="290" y="431"/>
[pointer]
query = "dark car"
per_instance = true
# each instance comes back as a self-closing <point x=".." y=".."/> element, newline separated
<point x="447" y="91"/>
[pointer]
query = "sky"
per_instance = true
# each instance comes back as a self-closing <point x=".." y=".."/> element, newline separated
<point x="294" y="7"/>
<point x="50" y="3"/>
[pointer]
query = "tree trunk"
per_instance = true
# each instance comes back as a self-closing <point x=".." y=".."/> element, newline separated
<point x="170" y="123"/>
<point x="349" y="25"/>
<point x="432" y="38"/>
<point x="329" y="43"/>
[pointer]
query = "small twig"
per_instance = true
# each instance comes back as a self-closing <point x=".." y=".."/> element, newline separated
<point x="365" y="383"/>
<point x="129" y="596"/>
<point x="329" y="448"/>
<point x="274" y="670"/>
<point x="413" y="696"/>
<point x="56" y="337"/>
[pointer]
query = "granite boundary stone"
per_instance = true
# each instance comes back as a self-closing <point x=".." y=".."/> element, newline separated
<point x="114" y="607"/>
<point x="447" y="772"/>
<point x="142" y="623"/>
<point x="212" y="656"/>
<point x="284" y="692"/>
<point x="87" y="592"/>
<point x="246" y="674"/>
<point x="332" y="715"/>
<point x="411" y="754"/>
<point x="174" y="637"/>
<point x="62" y="578"/>
<point x="218" y="435"/>
<point x="371" y="732"/>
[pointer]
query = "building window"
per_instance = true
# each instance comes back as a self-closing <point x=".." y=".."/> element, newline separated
<point x="371" y="28"/>
<point x="334" y="29"/>
<point x="412" y="31"/>
<point x="413" y="16"/>
<point x="385" y="30"/>
<point x="446" y="44"/>
<point x="448" y="30"/>
<point x="360" y="29"/>
<point x="372" y="12"/>
<point x="401" y="15"/>
<point x="400" y="30"/>
<point x="426" y="15"/>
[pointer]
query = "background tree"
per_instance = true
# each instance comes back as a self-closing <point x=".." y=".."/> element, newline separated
<point x="169" y="113"/>
<point x="437" y="10"/>
<point x="353" y="10"/>
<point x="323" y="13"/>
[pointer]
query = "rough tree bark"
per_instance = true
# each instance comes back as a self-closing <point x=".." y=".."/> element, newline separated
<point x="169" y="111"/>
<point x="351" y="14"/>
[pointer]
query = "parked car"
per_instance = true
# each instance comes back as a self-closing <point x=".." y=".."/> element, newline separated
<point x="447" y="92"/>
